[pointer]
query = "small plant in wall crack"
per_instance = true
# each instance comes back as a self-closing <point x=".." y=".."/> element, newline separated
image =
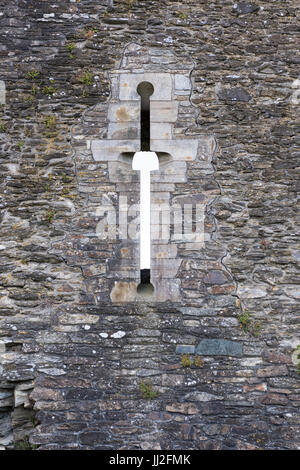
<point x="187" y="361"/>
<point x="86" y="78"/>
<point x="48" y="90"/>
<point x="182" y="15"/>
<point x="32" y="75"/>
<point x="49" y="216"/>
<point x="20" y="144"/>
<point x="248" y="325"/>
<point x="71" y="46"/>
<point x="198" y="361"/>
<point x="24" y="444"/>
<point x="147" y="391"/>
<point x="50" y="124"/>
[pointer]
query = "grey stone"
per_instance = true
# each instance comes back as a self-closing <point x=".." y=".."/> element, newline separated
<point x="161" y="130"/>
<point x="122" y="130"/>
<point x="166" y="268"/>
<point x="162" y="83"/>
<point x="216" y="277"/>
<point x="110" y="149"/>
<point x="21" y="398"/>
<point x="160" y="111"/>
<point x="242" y="8"/>
<point x="219" y="347"/>
<point x="202" y="396"/>
<point x="185" y="349"/>
<point x="251" y="292"/>
<point x="5" y="425"/>
<point x="2" y="92"/>
<point x="234" y="94"/>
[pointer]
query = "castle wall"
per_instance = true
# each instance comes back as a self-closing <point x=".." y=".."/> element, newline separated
<point x="210" y="360"/>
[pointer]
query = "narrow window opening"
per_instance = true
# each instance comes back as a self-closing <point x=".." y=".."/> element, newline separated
<point x="145" y="161"/>
<point x="145" y="90"/>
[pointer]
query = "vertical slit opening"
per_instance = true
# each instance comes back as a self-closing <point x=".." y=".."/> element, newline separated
<point x="145" y="90"/>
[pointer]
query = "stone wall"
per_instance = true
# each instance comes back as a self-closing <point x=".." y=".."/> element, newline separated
<point x="215" y="366"/>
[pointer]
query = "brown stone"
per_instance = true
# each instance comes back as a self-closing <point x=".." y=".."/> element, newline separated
<point x="123" y="292"/>
<point x="183" y="408"/>
<point x="262" y="387"/>
<point x="277" y="358"/>
<point x="274" y="399"/>
<point x="273" y="371"/>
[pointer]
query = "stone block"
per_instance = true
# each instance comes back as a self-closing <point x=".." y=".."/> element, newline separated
<point x="123" y="130"/>
<point x="124" y="112"/>
<point x="219" y="347"/>
<point x="272" y="371"/>
<point x="165" y="268"/>
<point x="161" y="130"/>
<point x="184" y="408"/>
<point x="251" y="292"/>
<point x="202" y="397"/>
<point x="163" y="250"/>
<point x="168" y="290"/>
<point x="179" y="149"/>
<point x="234" y="94"/>
<point x="206" y="148"/>
<point x="21" y="398"/>
<point x="275" y="399"/>
<point x="162" y="83"/>
<point x="123" y="292"/>
<point x="163" y="111"/>
<point x="185" y="349"/>
<point x="110" y="150"/>
<point x="2" y="92"/>
<point x="173" y="172"/>
<point x="182" y="83"/>
<point x="172" y="380"/>
<point x="122" y="172"/>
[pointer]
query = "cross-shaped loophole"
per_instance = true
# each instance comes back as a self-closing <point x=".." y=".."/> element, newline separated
<point x="145" y="161"/>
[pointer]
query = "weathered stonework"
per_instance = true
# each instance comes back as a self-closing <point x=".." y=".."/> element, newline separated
<point x="123" y="131"/>
<point x="75" y="343"/>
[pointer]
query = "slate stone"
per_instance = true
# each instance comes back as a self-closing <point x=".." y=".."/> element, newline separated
<point x="216" y="277"/>
<point x="182" y="349"/>
<point x="243" y="8"/>
<point x="234" y="94"/>
<point x="219" y="347"/>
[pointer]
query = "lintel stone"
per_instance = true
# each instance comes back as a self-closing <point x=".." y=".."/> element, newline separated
<point x="110" y="150"/>
<point x="162" y="83"/>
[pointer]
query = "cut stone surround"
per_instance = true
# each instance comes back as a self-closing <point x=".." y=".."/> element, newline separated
<point x="123" y="132"/>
